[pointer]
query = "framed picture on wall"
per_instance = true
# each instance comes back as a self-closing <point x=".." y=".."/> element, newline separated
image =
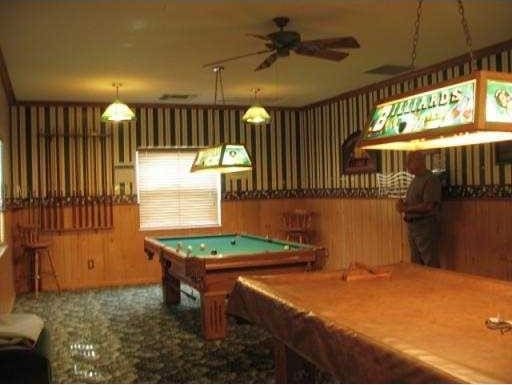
<point x="355" y="160"/>
<point x="503" y="151"/>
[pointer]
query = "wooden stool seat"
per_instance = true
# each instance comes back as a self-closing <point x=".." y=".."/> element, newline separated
<point x="37" y="245"/>
<point x="35" y="249"/>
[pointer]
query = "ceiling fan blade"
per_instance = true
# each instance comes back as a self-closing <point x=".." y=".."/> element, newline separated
<point x="267" y="62"/>
<point x="321" y="53"/>
<point x="335" y="42"/>
<point x="262" y="37"/>
<point x="235" y="58"/>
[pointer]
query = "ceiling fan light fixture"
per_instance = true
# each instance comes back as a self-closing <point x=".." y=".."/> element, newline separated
<point x="117" y="111"/>
<point x="256" y="114"/>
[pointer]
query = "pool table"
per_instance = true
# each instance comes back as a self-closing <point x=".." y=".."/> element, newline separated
<point x="212" y="263"/>
<point x="419" y="325"/>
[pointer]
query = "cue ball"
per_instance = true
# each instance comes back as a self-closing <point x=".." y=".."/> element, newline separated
<point x="286" y="247"/>
<point x="189" y="247"/>
<point x="202" y="246"/>
<point x="213" y="252"/>
<point x="233" y="242"/>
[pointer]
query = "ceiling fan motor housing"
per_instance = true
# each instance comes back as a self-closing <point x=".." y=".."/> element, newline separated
<point x="285" y="39"/>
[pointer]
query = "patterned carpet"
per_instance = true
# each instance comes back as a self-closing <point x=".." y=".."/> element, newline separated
<point x="127" y="335"/>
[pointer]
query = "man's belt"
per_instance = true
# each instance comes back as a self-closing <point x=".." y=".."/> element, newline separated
<point x="417" y="219"/>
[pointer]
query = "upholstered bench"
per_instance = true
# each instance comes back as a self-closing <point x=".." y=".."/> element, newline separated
<point x="26" y="363"/>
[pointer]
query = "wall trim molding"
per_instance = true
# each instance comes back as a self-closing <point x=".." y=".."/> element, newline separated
<point x="6" y="81"/>
<point x="469" y="192"/>
<point x="61" y="103"/>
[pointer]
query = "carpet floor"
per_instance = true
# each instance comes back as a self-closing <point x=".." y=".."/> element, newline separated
<point x="127" y="335"/>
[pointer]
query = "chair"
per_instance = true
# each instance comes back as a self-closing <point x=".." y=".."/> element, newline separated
<point x="297" y="225"/>
<point x="35" y="248"/>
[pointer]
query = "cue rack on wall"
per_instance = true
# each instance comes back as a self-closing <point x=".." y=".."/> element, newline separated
<point x="88" y="167"/>
<point x="79" y="212"/>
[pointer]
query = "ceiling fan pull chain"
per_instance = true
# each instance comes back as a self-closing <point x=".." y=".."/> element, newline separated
<point x="469" y="41"/>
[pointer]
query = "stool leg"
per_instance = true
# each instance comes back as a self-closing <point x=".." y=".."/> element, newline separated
<point x="36" y="273"/>
<point x="53" y="270"/>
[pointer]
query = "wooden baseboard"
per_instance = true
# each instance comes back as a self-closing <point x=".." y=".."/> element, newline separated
<point x="105" y="284"/>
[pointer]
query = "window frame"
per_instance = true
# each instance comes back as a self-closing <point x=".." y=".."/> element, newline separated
<point x="174" y="150"/>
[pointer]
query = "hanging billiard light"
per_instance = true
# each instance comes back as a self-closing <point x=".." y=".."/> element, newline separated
<point x="471" y="109"/>
<point x="224" y="158"/>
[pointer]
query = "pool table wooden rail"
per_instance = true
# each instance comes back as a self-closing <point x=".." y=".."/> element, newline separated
<point x="214" y="277"/>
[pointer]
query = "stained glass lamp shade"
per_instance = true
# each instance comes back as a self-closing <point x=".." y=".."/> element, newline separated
<point x="225" y="158"/>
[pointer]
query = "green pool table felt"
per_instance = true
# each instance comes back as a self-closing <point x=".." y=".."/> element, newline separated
<point x="244" y="244"/>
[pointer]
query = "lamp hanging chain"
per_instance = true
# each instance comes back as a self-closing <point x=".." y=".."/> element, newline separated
<point x="218" y="81"/>
<point x="416" y="33"/>
<point x="469" y="41"/>
<point x="216" y="85"/>
<point x="221" y="85"/>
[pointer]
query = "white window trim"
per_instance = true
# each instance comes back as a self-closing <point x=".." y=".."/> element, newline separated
<point x="137" y="179"/>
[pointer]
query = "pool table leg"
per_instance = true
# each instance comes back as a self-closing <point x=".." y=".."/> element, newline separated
<point x="170" y="286"/>
<point x="213" y="315"/>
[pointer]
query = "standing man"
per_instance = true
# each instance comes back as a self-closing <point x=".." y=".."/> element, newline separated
<point x="421" y="210"/>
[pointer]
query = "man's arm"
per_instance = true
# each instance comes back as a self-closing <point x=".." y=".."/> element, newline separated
<point x="431" y="195"/>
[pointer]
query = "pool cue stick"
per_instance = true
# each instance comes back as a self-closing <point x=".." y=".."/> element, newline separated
<point x="55" y="211"/>
<point x="86" y="179"/>
<point x="104" y="174"/>
<point x="73" y="211"/>
<point x="96" y="186"/>
<point x="57" y="192"/>
<point x="61" y="211"/>
<point x="93" y="187"/>
<point x="80" y="210"/>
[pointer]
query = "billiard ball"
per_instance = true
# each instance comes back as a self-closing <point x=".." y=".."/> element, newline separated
<point x="233" y="242"/>
<point x="202" y="246"/>
<point x="213" y="252"/>
<point x="189" y="247"/>
<point x="286" y="247"/>
<point x="178" y="245"/>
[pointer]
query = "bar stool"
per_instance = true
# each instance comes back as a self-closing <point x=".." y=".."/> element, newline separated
<point x="35" y="248"/>
<point x="297" y="225"/>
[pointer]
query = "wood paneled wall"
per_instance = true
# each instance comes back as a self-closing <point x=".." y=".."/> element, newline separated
<point x="475" y="238"/>
<point x="118" y="258"/>
<point x="7" y="294"/>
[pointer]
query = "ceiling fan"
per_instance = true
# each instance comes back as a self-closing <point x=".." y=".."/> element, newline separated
<point x="280" y="43"/>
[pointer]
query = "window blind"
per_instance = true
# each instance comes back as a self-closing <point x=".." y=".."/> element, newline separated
<point x="170" y="197"/>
